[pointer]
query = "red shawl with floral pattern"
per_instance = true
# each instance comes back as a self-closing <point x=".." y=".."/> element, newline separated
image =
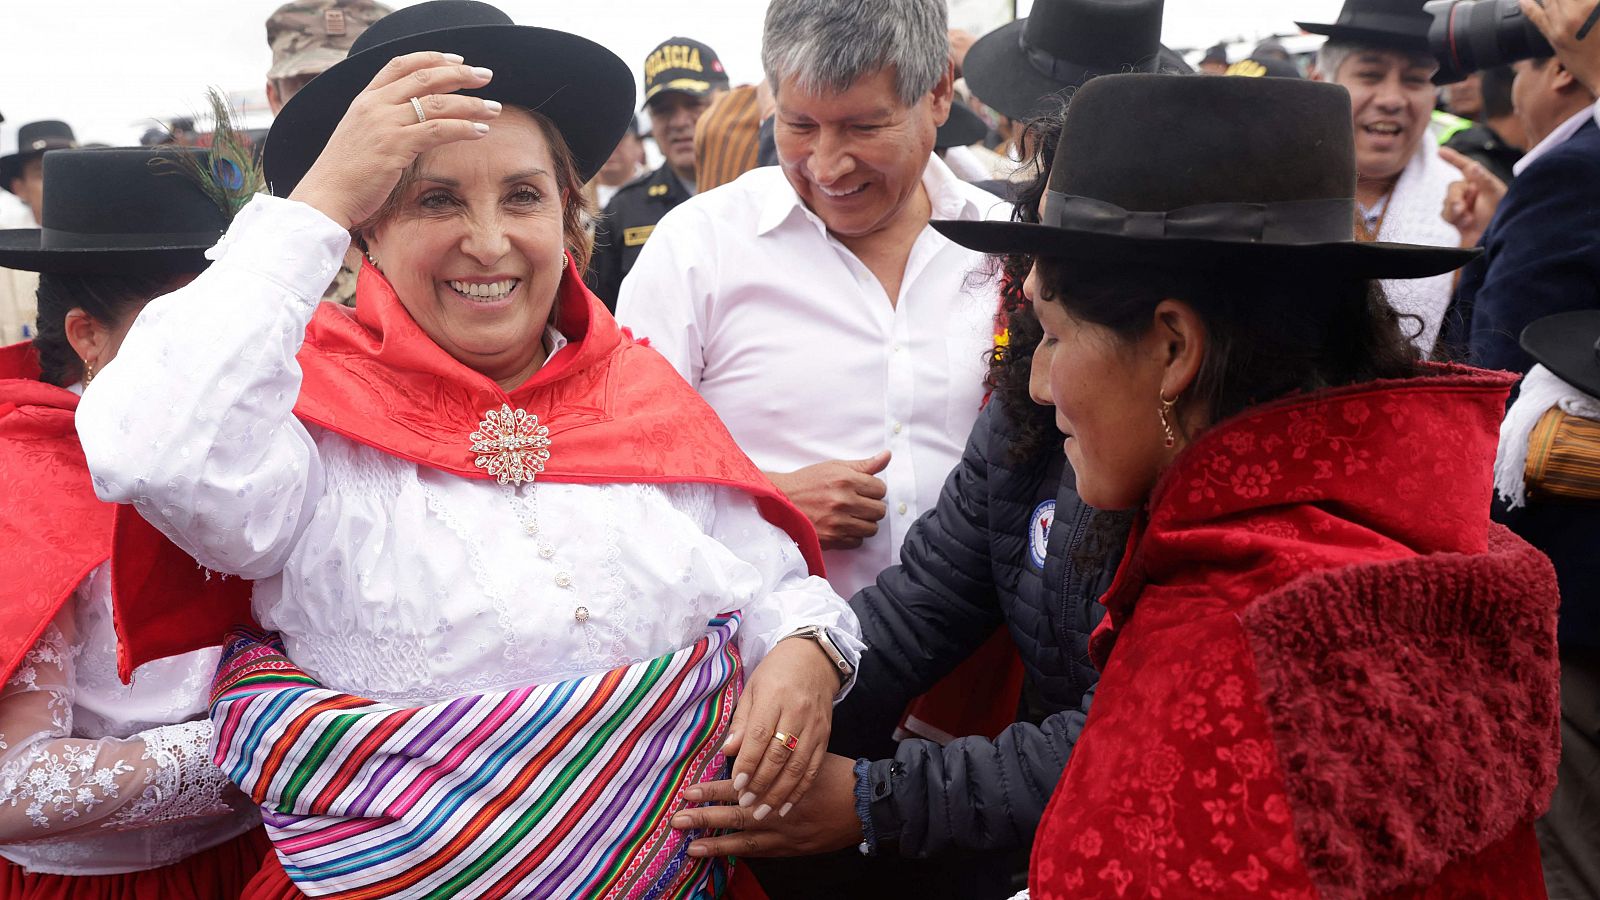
<point x="614" y="411"/>
<point x="53" y="530"/>
<point x="1325" y="674"/>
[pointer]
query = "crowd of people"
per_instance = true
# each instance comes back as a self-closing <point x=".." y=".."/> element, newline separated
<point x="966" y="466"/>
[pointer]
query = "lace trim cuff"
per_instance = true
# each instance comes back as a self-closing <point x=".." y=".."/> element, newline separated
<point x="183" y="783"/>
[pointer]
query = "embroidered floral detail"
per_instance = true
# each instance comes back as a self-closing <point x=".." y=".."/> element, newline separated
<point x="513" y="445"/>
<point x="68" y="784"/>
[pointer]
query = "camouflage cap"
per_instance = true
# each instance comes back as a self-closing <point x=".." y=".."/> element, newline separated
<point x="308" y="36"/>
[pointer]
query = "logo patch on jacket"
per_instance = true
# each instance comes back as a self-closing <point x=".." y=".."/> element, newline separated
<point x="635" y="237"/>
<point x="1044" y="515"/>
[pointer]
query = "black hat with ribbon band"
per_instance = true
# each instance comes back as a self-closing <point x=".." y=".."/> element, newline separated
<point x="1020" y="69"/>
<point x="1206" y="172"/>
<point x="1388" y="24"/>
<point x="34" y="139"/>
<point x="119" y="211"/>
<point x="1568" y="344"/>
<point x="579" y="85"/>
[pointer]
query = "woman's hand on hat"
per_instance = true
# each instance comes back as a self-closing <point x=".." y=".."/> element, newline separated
<point x="382" y="134"/>
<point x="789" y="696"/>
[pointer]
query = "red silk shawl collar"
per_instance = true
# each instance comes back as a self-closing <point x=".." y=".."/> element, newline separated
<point x="1351" y="475"/>
<point x="53" y="528"/>
<point x="615" y="411"/>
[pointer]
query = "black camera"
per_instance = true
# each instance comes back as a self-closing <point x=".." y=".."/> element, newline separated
<point x="1468" y="35"/>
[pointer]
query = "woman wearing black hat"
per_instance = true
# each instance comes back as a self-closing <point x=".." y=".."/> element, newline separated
<point x="1323" y="671"/>
<point x="489" y="529"/>
<point x="107" y="790"/>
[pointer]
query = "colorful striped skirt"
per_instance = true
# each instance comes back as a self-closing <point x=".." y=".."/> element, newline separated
<point x="556" y="790"/>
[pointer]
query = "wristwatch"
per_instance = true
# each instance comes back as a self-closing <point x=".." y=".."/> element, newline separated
<point x="820" y="635"/>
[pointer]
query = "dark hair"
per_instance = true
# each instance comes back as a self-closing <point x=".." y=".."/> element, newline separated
<point x="1495" y="86"/>
<point x="1271" y="331"/>
<point x="1011" y="365"/>
<point x="108" y="299"/>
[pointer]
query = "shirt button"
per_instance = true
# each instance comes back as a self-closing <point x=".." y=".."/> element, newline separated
<point x="897" y="348"/>
<point x="899" y="428"/>
<point x="902" y="509"/>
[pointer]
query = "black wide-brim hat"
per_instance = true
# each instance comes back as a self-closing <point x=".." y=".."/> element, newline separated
<point x="579" y="85"/>
<point x="964" y="127"/>
<point x="118" y="211"/>
<point x="1568" y="344"/>
<point x="1021" y="69"/>
<point x="1389" y="24"/>
<point x="1203" y="173"/>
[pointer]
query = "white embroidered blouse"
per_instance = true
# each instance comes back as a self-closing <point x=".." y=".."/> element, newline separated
<point x="391" y="580"/>
<point x="98" y="777"/>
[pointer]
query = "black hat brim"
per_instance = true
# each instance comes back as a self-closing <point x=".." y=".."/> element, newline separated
<point x="1339" y="258"/>
<point x="1368" y="37"/>
<point x="1001" y="77"/>
<point x="579" y="85"/>
<point x="20" y="249"/>
<point x="1565" y="344"/>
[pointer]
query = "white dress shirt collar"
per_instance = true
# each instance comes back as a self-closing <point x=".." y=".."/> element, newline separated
<point x="1554" y="139"/>
<point x="945" y="198"/>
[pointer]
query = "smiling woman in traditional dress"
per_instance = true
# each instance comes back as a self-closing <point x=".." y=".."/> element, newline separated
<point x="107" y="790"/>
<point x="489" y="529"/>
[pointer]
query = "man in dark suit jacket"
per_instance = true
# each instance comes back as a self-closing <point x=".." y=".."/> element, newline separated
<point x="1542" y="248"/>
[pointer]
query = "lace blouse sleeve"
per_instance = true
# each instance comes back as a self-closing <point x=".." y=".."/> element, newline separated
<point x="788" y="598"/>
<point x="53" y="784"/>
<point x="193" y="421"/>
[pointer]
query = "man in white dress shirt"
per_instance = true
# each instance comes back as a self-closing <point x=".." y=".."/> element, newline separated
<point x="840" y="338"/>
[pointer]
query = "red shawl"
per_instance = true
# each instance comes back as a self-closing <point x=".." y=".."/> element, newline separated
<point x="616" y="412"/>
<point x="1325" y="674"/>
<point x="52" y="528"/>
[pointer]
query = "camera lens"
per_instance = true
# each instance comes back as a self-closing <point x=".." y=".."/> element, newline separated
<point x="1468" y="35"/>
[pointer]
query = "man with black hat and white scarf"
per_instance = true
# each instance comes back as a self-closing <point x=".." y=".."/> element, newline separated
<point x="1378" y="51"/>
<point x="22" y="177"/>
<point x="682" y="78"/>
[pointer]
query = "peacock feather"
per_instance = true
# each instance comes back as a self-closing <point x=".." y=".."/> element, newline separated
<point x="229" y="174"/>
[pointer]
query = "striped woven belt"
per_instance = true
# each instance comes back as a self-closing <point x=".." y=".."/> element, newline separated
<point x="556" y="790"/>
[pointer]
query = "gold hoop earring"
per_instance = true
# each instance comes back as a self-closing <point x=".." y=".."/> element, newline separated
<point x="1166" y="422"/>
<point x="88" y="372"/>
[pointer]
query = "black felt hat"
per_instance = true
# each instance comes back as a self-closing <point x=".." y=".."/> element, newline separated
<point x="115" y="211"/>
<point x="579" y="85"/>
<point x="34" y="139"/>
<point x="1391" y="24"/>
<point x="962" y="128"/>
<point x="1206" y="172"/>
<point x="1568" y="344"/>
<point x="1020" y="68"/>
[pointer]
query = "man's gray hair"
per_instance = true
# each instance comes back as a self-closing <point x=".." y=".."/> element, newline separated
<point x="1333" y="54"/>
<point x="829" y="45"/>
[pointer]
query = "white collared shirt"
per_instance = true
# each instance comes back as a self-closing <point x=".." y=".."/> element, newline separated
<point x="794" y="343"/>
<point x="1554" y="139"/>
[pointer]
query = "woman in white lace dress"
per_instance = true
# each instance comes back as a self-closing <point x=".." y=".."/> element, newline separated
<point x="472" y="506"/>
<point x="107" y="790"/>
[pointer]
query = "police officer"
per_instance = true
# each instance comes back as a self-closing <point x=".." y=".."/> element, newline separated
<point x="681" y="79"/>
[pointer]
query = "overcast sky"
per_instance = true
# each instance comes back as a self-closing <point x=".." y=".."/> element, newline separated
<point x="109" y="66"/>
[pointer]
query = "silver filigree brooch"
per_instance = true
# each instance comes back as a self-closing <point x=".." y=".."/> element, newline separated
<point x="512" y="445"/>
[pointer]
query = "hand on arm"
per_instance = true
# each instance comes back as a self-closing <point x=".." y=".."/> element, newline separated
<point x="826" y="820"/>
<point x="842" y="498"/>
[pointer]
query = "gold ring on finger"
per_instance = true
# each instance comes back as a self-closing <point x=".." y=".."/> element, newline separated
<point x="416" y="104"/>
<point x="790" y="742"/>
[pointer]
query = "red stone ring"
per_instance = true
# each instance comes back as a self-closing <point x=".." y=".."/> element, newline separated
<point x="789" y="741"/>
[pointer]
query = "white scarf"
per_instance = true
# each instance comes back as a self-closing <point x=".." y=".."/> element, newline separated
<point x="1414" y="217"/>
<point x="1541" y="391"/>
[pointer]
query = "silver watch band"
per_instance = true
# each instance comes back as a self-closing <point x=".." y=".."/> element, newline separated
<point x="841" y="663"/>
